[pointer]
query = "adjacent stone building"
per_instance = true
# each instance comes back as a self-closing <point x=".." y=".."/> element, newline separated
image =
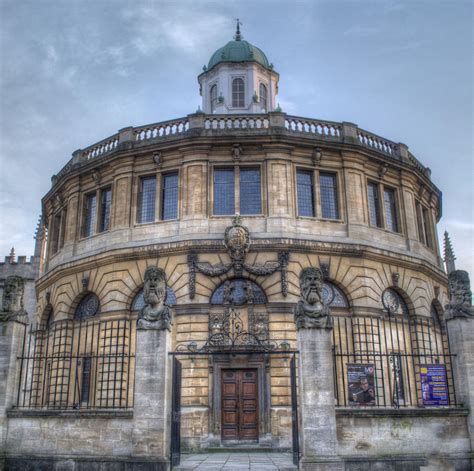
<point x="217" y="231"/>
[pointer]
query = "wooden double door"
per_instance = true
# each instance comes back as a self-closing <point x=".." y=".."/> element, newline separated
<point x="239" y="394"/>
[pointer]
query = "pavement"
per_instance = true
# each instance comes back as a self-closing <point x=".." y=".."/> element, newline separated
<point x="237" y="461"/>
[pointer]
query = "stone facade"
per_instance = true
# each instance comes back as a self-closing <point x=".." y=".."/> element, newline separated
<point x="109" y="398"/>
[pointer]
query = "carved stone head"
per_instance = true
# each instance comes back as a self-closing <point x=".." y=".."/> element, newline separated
<point x="311" y="285"/>
<point x="13" y="294"/>
<point x="460" y="296"/>
<point x="154" y="290"/>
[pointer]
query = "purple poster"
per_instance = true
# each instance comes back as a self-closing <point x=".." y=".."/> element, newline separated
<point x="434" y="390"/>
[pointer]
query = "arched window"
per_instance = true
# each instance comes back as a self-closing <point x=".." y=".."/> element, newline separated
<point x="238" y="292"/>
<point x="394" y="303"/>
<point x="238" y="93"/>
<point x="138" y="302"/>
<point x="333" y="296"/>
<point x="263" y="96"/>
<point x="88" y="307"/>
<point x="213" y="95"/>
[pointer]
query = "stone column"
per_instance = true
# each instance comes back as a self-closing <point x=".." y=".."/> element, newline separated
<point x="11" y="341"/>
<point x="459" y="317"/>
<point x="317" y="408"/>
<point x="151" y="409"/>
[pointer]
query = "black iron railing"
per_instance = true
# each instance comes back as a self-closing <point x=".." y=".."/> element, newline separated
<point x="87" y="364"/>
<point x="392" y="362"/>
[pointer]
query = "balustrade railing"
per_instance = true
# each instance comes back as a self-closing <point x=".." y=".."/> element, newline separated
<point x="236" y="122"/>
<point x="313" y="126"/>
<point x="157" y="130"/>
<point x="336" y="132"/>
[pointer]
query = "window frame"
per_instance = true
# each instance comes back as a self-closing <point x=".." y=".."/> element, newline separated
<point x="85" y="208"/>
<point x="243" y="92"/>
<point x="424" y="225"/>
<point x="213" y="100"/>
<point x="316" y="182"/>
<point x="381" y="189"/>
<point x="266" y="95"/>
<point x="100" y="211"/>
<point x="137" y="205"/>
<point x="237" y="199"/>
<point x="162" y="194"/>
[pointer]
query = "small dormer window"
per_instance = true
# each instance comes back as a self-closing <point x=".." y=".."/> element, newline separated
<point x="238" y="93"/>
<point x="263" y="96"/>
<point x="213" y="95"/>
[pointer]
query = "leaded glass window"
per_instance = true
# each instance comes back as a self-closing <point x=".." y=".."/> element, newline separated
<point x="394" y="303"/>
<point x="90" y="210"/>
<point x="390" y="209"/>
<point x="138" y="302"/>
<point x="238" y="93"/>
<point x="328" y="196"/>
<point x="304" y="182"/>
<point x="224" y="199"/>
<point x="213" y="98"/>
<point x="88" y="307"/>
<point x="146" y="200"/>
<point x="333" y="296"/>
<point x="374" y="205"/>
<point x="169" y="202"/>
<point x="427" y="227"/>
<point x="250" y="193"/>
<point x="238" y="293"/>
<point x="263" y="96"/>
<point x="105" y="202"/>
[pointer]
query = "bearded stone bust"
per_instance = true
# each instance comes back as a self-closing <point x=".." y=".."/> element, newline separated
<point x="460" y="296"/>
<point x="155" y="314"/>
<point x="12" y="300"/>
<point x="311" y="312"/>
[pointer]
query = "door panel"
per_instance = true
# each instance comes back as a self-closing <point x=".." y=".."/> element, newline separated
<point x="239" y="405"/>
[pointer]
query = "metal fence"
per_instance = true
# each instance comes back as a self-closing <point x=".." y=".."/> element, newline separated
<point x="87" y="364"/>
<point x="392" y="362"/>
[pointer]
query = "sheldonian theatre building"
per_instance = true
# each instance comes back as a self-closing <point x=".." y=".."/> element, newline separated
<point x="238" y="279"/>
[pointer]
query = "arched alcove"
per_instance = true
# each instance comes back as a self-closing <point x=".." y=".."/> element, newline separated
<point x="238" y="292"/>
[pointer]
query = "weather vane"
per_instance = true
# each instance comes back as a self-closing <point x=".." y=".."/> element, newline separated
<point x="238" y="36"/>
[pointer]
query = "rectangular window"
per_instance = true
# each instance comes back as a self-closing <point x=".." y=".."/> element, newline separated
<point x="169" y="200"/>
<point x="304" y="183"/>
<point x="224" y="200"/>
<point x="62" y="233"/>
<point x="90" y="210"/>
<point x="419" y="220"/>
<point x="250" y="192"/>
<point x="427" y="228"/>
<point x="374" y="205"/>
<point x="86" y="379"/>
<point x="238" y="93"/>
<point x="55" y="234"/>
<point x="146" y="200"/>
<point x="328" y="196"/>
<point x="390" y="210"/>
<point x="105" y="202"/>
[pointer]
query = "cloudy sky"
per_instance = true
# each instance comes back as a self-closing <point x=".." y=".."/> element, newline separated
<point x="75" y="71"/>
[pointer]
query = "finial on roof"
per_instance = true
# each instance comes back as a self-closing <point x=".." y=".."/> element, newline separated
<point x="448" y="254"/>
<point x="238" y="36"/>
<point x="12" y="255"/>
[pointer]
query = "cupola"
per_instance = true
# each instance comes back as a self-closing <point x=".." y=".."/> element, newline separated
<point x="238" y="79"/>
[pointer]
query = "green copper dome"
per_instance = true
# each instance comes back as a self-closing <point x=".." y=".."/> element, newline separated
<point x="239" y="51"/>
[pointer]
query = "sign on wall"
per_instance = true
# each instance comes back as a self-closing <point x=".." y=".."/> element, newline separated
<point x="434" y="389"/>
<point x="361" y="383"/>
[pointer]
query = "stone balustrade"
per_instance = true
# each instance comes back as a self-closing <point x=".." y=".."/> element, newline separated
<point x="209" y="124"/>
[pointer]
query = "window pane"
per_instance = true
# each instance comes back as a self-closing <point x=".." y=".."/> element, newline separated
<point x="421" y="229"/>
<point x="238" y="93"/>
<point x="250" y="197"/>
<point x="374" y="205"/>
<point x="106" y="199"/>
<point x="328" y="190"/>
<point x="169" y="203"/>
<point x="213" y="98"/>
<point x="390" y="210"/>
<point x="90" y="213"/>
<point x="427" y="227"/>
<point x="304" y="181"/>
<point x="224" y="202"/>
<point x="146" y="200"/>
<point x="55" y="233"/>
<point x="263" y="96"/>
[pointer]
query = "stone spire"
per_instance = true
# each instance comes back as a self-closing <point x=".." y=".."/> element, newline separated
<point x="238" y="36"/>
<point x="12" y="255"/>
<point x="448" y="254"/>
